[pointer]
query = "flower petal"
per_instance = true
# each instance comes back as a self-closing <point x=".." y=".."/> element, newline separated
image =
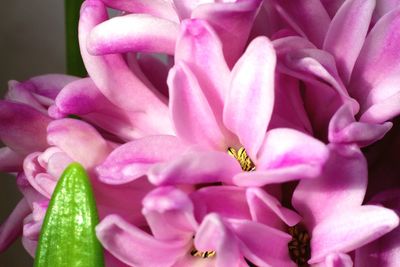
<point x="134" y="32"/>
<point x="200" y="49"/>
<point x="376" y="73"/>
<point x="340" y="187"/>
<point x="19" y="123"/>
<point x="262" y="245"/>
<point x="355" y="16"/>
<point x="159" y="8"/>
<point x="284" y="147"/>
<point x="213" y="235"/>
<point x="249" y="102"/>
<point x="12" y="227"/>
<point x="349" y="229"/>
<point x="232" y="21"/>
<point x="195" y="168"/>
<point x="10" y="161"/>
<point x="111" y="71"/>
<point x="191" y="113"/>
<point x="343" y="129"/>
<point x="267" y="210"/>
<point x="308" y="17"/>
<point x="78" y="140"/>
<point x="132" y="160"/>
<point x="338" y="260"/>
<point x="137" y="248"/>
<point x="169" y="214"/>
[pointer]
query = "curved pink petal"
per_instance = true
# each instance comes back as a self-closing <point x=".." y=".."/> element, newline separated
<point x="132" y="160"/>
<point x="137" y="248"/>
<point x="340" y="187"/>
<point x="200" y="49"/>
<point x="332" y="6"/>
<point x="12" y="227"/>
<point x="383" y="7"/>
<point x="261" y="244"/>
<point x="133" y="32"/>
<point x="308" y="17"/>
<point x="344" y="129"/>
<point x="19" y="123"/>
<point x="266" y="209"/>
<point x="191" y="112"/>
<point x="112" y="75"/>
<point x="213" y="235"/>
<point x="284" y="147"/>
<point x="250" y="99"/>
<point x="384" y="251"/>
<point x="375" y="77"/>
<point x="345" y="45"/>
<point x="349" y="229"/>
<point x="226" y="201"/>
<point x="169" y="214"/>
<point x="232" y="21"/>
<point x="78" y="140"/>
<point x="159" y="8"/>
<point x="195" y="168"/>
<point x="157" y="70"/>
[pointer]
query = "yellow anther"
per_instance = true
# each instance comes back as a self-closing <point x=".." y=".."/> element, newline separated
<point x="244" y="160"/>
<point x="201" y="254"/>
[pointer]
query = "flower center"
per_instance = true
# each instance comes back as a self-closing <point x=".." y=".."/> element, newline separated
<point x="299" y="246"/>
<point x="202" y="254"/>
<point x="244" y="160"/>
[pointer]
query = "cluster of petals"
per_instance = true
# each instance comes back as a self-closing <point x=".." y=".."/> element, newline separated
<point x="221" y="133"/>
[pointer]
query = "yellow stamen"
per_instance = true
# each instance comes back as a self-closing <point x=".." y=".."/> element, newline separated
<point x="201" y="254"/>
<point x="244" y="160"/>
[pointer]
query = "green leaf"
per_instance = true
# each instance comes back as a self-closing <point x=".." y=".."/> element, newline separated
<point x="75" y="64"/>
<point x="68" y="237"/>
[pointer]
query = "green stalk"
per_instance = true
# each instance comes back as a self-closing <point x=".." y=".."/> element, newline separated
<point x="74" y="60"/>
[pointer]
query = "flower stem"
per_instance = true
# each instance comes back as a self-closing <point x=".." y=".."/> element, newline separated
<point x="75" y="64"/>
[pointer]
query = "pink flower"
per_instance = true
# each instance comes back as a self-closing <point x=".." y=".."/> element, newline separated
<point x="332" y="210"/>
<point x="183" y="230"/>
<point x="215" y="110"/>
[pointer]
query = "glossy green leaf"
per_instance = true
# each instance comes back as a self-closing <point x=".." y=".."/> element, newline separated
<point x="68" y="237"/>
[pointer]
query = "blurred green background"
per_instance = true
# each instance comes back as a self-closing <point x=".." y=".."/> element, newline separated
<point x="31" y="43"/>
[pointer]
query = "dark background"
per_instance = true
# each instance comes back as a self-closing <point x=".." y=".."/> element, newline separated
<point x="31" y="43"/>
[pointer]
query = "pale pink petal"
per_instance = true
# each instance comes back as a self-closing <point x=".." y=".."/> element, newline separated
<point x="137" y="248"/>
<point x="308" y="17"/>
<point x="385" y="251"/>
<point x="213" y="235"/>
<point x="249" y="101"/>
<point x="349" y="229"/>
<point x="195" y="168"/>
<point x="159" y="8"/>
<point x="227" y="201"/>
<point x="232" y="21"/>
<point x="19" y="123"/>
<point x="266" y="209"/>
<point x="10" y="161"/>
<point x="12" y="227"/>
<point x="200" y="49"/>
<point x="262" y="245"/>
<point x="375" y="78"/>
<point x="340" y="187"/>
<point x="344" y="129"/>
<point x="134" y="32"/>
<point x="191" y="112"/>
<point x="30" y="194"/>
<point x="169" y="214"/>
<point x="383" y="7"/>
<point x="132" y="160"/>
<point x="345" y="45"/>
<point x="78" y="140"/>
<point x="284" y="147"/>
<point x="112" y="75"/>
